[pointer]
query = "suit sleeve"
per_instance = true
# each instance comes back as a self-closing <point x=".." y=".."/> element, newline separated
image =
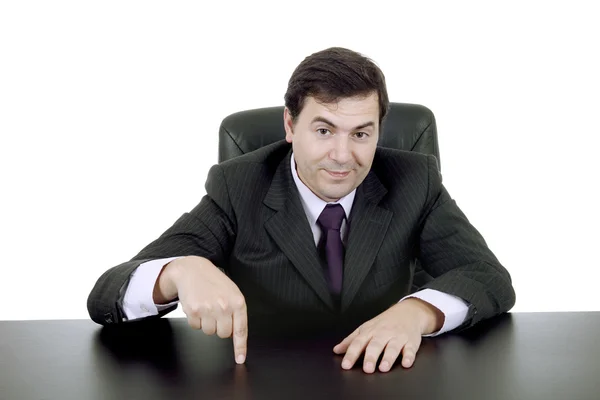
<point x="207" y="231"/>
<point x="455" y="254"/>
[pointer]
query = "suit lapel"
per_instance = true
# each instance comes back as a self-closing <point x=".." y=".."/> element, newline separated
<point x="368" y="226"/>
<point x="290" y="229"/>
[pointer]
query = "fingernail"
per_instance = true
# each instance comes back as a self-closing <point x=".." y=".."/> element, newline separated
<point x="407" y="362"/>
<point x="346" y="364"/>
<point x="385" y="366"/>
<point x="370" y="366"/>
<point x="240" y="359"/>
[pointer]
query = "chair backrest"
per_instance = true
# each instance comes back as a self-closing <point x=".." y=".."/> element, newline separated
<point x="407" y="127"/>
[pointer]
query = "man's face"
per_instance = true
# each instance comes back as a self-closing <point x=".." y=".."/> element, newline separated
<point x="334" y="144"/>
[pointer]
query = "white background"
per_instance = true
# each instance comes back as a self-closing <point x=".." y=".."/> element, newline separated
<point x="109" y="113"/>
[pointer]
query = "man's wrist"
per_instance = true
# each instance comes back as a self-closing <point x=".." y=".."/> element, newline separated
<point x="431" y="319"/>
<point x="165" y="289"/>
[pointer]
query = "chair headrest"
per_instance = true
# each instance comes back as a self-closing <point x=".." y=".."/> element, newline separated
<point x="406" y="127"/>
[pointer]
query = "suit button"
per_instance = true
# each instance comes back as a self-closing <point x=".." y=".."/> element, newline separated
<point x="108" y="318"/>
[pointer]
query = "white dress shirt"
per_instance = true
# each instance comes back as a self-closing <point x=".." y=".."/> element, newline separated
<point x="138" y="301"/>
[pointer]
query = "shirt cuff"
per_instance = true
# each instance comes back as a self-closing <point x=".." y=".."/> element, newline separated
<point x="454" y="308"/>
<point x="138" y="301"/>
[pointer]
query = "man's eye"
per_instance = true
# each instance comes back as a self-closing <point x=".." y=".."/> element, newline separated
<point x="323" y="131"/>
<point x="361" y="135"/>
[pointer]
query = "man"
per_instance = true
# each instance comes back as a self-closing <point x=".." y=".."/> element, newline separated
<point x="321" y="234"/>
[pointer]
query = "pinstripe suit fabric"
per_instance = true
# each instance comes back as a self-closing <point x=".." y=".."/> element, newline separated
<point x="252" y="225"/>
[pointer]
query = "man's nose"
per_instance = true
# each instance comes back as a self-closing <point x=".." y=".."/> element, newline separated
<point x="341" y="151"/>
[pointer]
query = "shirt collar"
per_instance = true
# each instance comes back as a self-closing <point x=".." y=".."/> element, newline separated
<point x="313" y="205"/>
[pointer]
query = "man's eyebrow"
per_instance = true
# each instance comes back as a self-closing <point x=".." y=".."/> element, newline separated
<point x="326" y="121"/>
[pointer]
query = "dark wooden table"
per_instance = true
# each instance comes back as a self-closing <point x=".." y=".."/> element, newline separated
<point x="516" y="356"/>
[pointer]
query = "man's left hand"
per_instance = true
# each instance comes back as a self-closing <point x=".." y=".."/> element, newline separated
<point x="397" y="330"/>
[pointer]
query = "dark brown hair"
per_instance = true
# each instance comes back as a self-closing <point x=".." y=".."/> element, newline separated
<point x="332" y="74"/>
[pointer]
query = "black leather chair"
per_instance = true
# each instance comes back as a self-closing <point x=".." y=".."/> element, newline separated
<point x="408" y="127"/>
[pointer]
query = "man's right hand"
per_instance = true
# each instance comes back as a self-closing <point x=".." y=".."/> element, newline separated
<point x="210" y="300"/>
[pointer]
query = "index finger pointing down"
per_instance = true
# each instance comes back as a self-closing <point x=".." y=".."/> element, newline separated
<point x="240" y="334"/>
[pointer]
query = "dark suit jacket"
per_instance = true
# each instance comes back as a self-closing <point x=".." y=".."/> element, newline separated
<point x="252" y="225"/>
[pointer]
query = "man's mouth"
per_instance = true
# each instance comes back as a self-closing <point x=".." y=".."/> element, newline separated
<point x="338" y="174"/>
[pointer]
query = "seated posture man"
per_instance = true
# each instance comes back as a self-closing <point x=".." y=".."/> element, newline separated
<point x="319" y="231"/>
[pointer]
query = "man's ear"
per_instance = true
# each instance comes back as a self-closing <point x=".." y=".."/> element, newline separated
<point x="288" y="125"/>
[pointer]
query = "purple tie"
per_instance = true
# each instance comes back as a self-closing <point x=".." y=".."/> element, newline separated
<point x="330" y="222"/>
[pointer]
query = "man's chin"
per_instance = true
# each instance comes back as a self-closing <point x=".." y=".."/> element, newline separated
<point x="335" y="195"/>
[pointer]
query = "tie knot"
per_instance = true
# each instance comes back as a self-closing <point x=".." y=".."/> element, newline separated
<point x="332" y="217"/>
